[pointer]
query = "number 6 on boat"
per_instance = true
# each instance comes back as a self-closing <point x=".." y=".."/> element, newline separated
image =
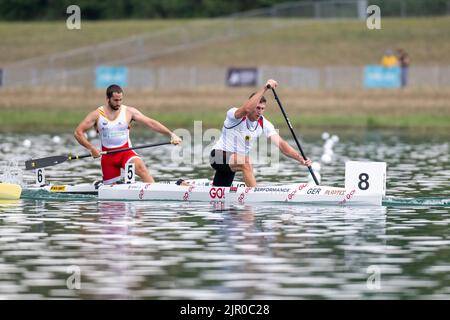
<point x="40" y="177"/>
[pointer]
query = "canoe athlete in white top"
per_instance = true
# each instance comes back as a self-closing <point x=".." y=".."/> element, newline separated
<point x="241" y="128"/>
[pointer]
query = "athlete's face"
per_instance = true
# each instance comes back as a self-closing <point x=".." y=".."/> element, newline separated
<point x="258" y="111"/>
<point x="115" y="101"/>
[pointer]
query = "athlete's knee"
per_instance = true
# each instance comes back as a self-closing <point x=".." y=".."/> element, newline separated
<point x="241" y="167"/>
<point x="247" y="167"/>
<point x="139" y="165"/>
<point x="236" y="167"/>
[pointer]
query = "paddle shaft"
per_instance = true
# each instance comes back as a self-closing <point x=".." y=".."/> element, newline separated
<point x="51" y="161"/>
<point x="293" y="133"/>
<point x="134" y="148"/>
<point x="119" y="150"/>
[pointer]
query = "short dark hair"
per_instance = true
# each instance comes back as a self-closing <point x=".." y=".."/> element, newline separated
<point x="263" y="99"/>
<point x="113" y="88"/>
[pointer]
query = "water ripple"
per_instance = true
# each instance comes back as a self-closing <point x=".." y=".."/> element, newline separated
<point x="157" y="250"/>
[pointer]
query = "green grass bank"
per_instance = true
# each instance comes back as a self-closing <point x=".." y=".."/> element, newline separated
<point x="66" y="121"/>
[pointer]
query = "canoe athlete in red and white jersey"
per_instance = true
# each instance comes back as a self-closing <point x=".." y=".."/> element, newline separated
<point x="112" y="122"/>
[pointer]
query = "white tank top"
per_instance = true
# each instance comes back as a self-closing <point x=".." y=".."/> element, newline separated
<point x="113" y="133"/>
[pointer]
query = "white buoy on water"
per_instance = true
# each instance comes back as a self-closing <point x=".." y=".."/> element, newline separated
<point x="92" y="134"/>
<point x="56" y="139"/>
<point x="326" y="158"/>
<point x="316" y="166"/>
<point x="334" y="138"/>
<point x="328" y="144"/>
<point x="26" y="143"/>
<point x="330" y="152"/>
<point x="325" y="135"/>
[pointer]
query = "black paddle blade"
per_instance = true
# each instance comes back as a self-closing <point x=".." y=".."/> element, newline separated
<point x="44" y="162"/>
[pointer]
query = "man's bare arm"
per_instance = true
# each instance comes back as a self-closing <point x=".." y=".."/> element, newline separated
<point x="251" y="103"/>
<point x="287" y="150"/>
<point x="153" y="124"/>
<point x="84" y="126"/>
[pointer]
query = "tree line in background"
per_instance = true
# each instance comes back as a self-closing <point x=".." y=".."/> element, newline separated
<point x="126" y="9"/>
<point x="139" y="9"/>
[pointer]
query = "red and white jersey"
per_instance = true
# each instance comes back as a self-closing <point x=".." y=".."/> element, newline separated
<point x="113" y="133"/>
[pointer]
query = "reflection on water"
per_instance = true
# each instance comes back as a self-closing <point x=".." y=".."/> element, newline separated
<point x="205" y="251"/>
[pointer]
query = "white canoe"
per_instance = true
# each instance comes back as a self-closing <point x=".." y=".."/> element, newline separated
<point x="365" y="184"/>
<point x="201" y="190"/>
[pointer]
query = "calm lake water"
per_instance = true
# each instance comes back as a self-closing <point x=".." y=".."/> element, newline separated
<point x="78" y="247"/>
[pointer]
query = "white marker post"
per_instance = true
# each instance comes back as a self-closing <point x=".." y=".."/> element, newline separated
<point x="129" y="173"/>
<point x="40" y="176"/>
<point x="366" y="177"/>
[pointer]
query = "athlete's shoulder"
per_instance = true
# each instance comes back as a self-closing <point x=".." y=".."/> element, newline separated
<point x="266" y="121"/>
<point x="268" y="127"/>
<point x="129" y="108"/>
<point x="100" y="111"/>
<point x="231" y="113"/>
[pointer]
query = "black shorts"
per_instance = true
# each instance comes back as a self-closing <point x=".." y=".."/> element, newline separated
<point x="220" y="160"/>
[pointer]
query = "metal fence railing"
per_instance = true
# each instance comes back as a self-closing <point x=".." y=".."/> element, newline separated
<point x="329" y="77"/>
<point x="351" y="9"/>
<point x="311" y="9"/>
